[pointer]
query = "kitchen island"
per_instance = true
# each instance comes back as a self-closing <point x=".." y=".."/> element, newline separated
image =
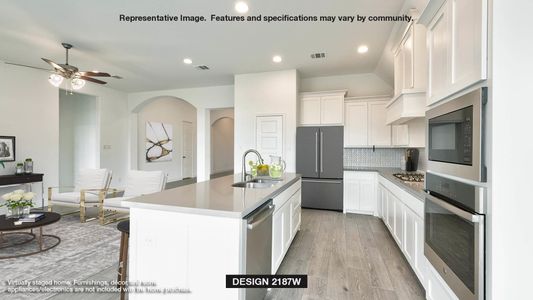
<point x="191" y="237"/>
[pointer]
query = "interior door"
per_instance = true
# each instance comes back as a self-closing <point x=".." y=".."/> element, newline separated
<point x="331" y="141"/>
<point x="307" y="151"/>
<point x="187" y="150"/>
<point x="269" y="136"/>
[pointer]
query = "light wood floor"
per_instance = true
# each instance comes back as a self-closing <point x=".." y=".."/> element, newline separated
<point x="347" y="257"/>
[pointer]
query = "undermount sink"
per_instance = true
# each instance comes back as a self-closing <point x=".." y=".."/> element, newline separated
<point x="256" y="184"/>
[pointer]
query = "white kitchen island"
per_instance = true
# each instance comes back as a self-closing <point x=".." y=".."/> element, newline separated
<point x="191" y="237"/>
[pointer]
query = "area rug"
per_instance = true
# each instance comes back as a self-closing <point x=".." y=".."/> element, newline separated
<point x="85" y="249"/>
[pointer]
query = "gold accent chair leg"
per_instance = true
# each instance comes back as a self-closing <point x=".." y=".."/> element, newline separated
<point x="101" y="212"/>
<point x="49" y="199"/>
<point x="82" y="206"/>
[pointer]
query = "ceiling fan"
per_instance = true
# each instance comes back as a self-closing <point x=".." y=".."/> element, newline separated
<point x="65" y="71"/>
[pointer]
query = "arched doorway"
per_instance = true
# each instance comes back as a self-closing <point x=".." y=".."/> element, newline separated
<point x="166" y="137"/>
<point x="222" y="142"/>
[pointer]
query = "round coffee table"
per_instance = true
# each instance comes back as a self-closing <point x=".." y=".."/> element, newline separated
<point x="7" y="228"/>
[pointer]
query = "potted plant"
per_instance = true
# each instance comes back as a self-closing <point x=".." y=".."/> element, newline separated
<point x="18" y="203"/>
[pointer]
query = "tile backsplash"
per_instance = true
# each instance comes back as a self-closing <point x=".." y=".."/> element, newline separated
<point x="380" y="157"/>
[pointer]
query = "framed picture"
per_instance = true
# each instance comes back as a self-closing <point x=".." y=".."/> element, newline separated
<point x="7" y="148"/>
<point x="159" y="143"/>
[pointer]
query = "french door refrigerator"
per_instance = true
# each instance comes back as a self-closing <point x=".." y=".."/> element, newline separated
<point x="319" y="159"/>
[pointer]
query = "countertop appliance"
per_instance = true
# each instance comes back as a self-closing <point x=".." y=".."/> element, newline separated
<point x="411" y="159"/>
<point x="319" y="159"/>
<point x="455" y="134"/>
<point x="454" y="234"/>
<point x="258" y="257"/>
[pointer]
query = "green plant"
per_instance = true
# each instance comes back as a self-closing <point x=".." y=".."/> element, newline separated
<point x="11" y="204"/>
<point x="18" y="198"/>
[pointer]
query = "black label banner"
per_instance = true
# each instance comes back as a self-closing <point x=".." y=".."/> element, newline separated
<point x="266" y="281"/>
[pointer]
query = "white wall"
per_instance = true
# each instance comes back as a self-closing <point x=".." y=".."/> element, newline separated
<point x="367" y="84"/>
<point x="512" y="147"/>
<point x="168" y="110"/>
<point x="222" y="140"/>
<point x="78" y="135"/>
<point x="269" y="93"/>
<point x="29" y="110"/>
<point x="203" y="99"/>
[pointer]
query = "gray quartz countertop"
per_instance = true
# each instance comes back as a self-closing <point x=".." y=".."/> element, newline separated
<point x="387" y="173"/>
<point x="214" y="197"/>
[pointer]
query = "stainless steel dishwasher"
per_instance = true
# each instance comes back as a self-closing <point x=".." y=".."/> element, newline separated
<point x="259" y="246"/>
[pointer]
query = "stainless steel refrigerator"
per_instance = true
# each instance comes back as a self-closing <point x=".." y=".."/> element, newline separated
<point x="319" y="159"/>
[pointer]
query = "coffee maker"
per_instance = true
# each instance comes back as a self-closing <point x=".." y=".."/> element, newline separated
<point x="411" y="159"/>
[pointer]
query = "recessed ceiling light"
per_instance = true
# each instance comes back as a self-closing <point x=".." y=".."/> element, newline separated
<point x="187" y="61"/>
<point x="362" y="49"/>
<point x="241" y="7"/>
<point x="276" y="59"/>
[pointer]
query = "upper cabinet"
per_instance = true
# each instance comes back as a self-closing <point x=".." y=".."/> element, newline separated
<point x="410" y="76"/>
<point x="457" y="45"/>
<point x="322" y="108"/>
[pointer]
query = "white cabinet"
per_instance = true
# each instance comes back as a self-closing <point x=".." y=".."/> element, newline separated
<point x="310" y="110"/>
<point x="285" y="222"/>
<point x="379" y="131"/>
<point x="403" y="215"/>
<point x="356" y="124"/>
<point x="400" y="135"/>
<point x="457" y="45"/>
<point x="410" y="76"/>
<point x="322" y="108"/>
<point x="360" y="192"/>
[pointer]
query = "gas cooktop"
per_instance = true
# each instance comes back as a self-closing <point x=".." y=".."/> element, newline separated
<point x="410" y="177"/>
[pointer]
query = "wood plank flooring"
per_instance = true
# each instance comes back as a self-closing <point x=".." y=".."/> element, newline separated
<point x="347" y="257"/>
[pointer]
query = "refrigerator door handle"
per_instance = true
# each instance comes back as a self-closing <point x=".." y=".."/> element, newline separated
<point x="316" y="151"/>
<point x="321" y="151"/>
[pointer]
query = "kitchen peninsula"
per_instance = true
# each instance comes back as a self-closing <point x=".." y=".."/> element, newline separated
<point x="191" y="237"/>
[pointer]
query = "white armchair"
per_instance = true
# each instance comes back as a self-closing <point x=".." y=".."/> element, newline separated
<point x="90" y="183"/>
<point x="138" y="183"/>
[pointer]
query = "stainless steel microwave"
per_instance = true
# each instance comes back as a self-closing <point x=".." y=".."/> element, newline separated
<point x="455" y="135"/>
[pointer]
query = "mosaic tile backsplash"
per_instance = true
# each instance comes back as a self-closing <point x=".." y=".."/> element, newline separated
<point x="381" y="157"/>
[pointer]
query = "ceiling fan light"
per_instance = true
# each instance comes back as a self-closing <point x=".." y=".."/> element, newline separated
<point x="55" y="80"/>
<point x="77" y="83"/>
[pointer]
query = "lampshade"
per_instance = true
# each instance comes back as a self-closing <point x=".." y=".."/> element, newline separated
<point x="55" y="80"/>
<point x="77" y="83"/>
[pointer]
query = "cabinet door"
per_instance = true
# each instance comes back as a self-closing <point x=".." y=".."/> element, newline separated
<point x="351" y="194"/>
<point x="469" y="42"/>
<point x="383" y="198"/>
<point x="409" y="246"/>
<point x="398" y="222"/>
<point x="439" y="41"/>
<point x="408" y="59"/>
<point x="332" y="110"/>
<point x="367" y="196"/>
<point x="379" y="132"/>
<point x="286" y="225"/>
<point x="398" y="72"/>
<point x="296" y="211"/>
<point x="277" y="240"/>
<point x="390" y="211"/>
<point x="419" y="258"/>
<point x="310" y="111"/>
<point x="355" y="124"/>
<point x="400" y="135"/>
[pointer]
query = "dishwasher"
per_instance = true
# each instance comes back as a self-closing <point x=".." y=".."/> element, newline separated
<point x="259" y="246"/>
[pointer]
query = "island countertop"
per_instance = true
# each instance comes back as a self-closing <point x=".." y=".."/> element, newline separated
<point x="214" y="197"/>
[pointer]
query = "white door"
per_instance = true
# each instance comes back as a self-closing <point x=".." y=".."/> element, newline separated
<point x="269" y="136"/>
<point x="355" y="124"/>
<point x="332" y="110"/>
<point x="310" y="111"/>
<point x="379" y="132"/>
<point x="187" y="155"/>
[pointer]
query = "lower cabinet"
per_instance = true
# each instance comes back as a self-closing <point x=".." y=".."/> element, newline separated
<point x="285" y="222"/>
<point x="406" y="225"/>
<point x="360" y="192"/>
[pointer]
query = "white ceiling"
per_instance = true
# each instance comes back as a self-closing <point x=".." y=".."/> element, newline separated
<point x="149" y="55"/>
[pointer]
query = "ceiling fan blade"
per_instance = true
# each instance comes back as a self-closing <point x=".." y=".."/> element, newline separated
<point x="53" y="64"/>
<point x="117" y="77"/>
<point x="92" y="80"/>
<point x="21" y="65"/>
<point x="94" y="74"/>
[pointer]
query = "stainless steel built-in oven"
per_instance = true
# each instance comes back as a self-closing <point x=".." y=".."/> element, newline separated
<point x="455" y="136"/>
<point x="454" y="234"/>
